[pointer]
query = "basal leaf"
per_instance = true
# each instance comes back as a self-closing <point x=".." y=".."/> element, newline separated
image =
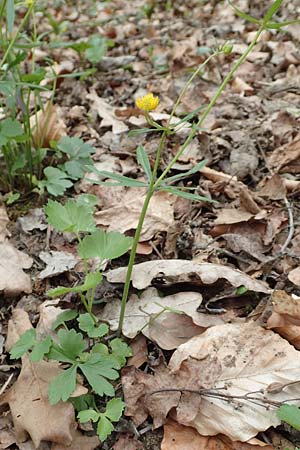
<point x="290" y="414"/>
<point x="63" y="317"/>
<point x="91" y="281"/>
<point x="93" y="330"/>
<point x="114" y="409"/>
<point x="104" y="245"/>
<point x="41" y="349"/>
<point x="25" y="343"/>
<point x="104" y="428"/>
<point x="96" y="370"/>
<point x="63" y="386"/>
<point x="56" y="181"/>
<point x="71" y="216"/>
<point x="120" y="350"/>
<point x="87" y="415"/>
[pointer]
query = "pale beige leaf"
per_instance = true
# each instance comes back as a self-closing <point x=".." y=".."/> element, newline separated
<point x="294" y="276"/>
<point x="124" y="210"/>
<point x="179" y="437"/>
<point x="13" y="280"/>
<point x="180" y="271"/>
<point x="245" y="358"/>
<point x="146" y="314"/>
<point x="4" y="220"/>
<point x="79" y="442"/>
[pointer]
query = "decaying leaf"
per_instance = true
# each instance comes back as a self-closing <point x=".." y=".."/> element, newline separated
<point x="123" y="213"/>
<point x="179" y="437"/>
<point x="294" y="276"/>
<point x="181" y="271"/>
<point x="232" y="363"/>
<point x="13" y="280"/>
<point x="35" y="219"/>
<point x="152" y="315"/>
<point x="28" y="397"/>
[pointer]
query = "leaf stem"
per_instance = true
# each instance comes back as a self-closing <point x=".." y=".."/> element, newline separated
<point x="138" y="232"/>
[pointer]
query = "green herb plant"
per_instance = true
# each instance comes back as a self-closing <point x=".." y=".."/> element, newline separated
<point x="162" y="182"/>
<point x="87" y="350"/>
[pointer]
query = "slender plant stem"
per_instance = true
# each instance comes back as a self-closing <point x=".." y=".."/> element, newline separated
<point x="138" y="232"/>
<point x="210" y="106"/>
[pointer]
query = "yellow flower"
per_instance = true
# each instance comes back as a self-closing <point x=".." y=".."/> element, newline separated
<point x="148" y="102"/>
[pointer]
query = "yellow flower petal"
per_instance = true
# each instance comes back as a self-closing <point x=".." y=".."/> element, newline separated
<point x="148" y="102"/>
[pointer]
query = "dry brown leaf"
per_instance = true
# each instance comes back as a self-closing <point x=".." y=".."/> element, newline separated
<point x="139" y="351"/>
<point x="107" y="113"/>
<point x="4" y="220"/>
<point x="294" y="276"/>
<point x="228" y="216"/>
<point x="123" y="212"/>
<point x="179" y="437"/>
<point x="47" y="126"/>
<point x="285" y="159"/>
<point x="168" y="329"/>
<point x="145" y="313"/>
<point x="57" y="263"/>
<point x="28" y="397"/>
<point x="285" y="317"/>
<point x="126" y="442"/>
<point x="227" y="360"/>
<point x="274" y="189"/>
<point x="79" y="442"/>
<point x="180" y="271"/>
<point x="13" y="280"/>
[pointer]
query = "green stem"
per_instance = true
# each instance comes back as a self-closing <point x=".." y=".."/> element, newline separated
<point x="189" y="82"/>
<point x="13" y="41"/>
<point x="138" y="232"/>
<point x="210" y="106"/>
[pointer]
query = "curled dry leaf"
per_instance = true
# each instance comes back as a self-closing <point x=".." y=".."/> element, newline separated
<point x="152" y="315"/>
<point x="179" y="437"/>
<point x="13" y="280"/>
<point x="47" y="126"/>
<point x="180" y="271"/>
<point x="28" y="397"/>
<point x="229" y="362"/>
<point x="122" y="214"/>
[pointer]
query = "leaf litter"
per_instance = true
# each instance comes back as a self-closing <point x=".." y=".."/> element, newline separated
<point x="251" y="142"/>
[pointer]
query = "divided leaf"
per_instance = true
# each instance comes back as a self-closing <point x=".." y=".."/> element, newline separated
<point x="104" y="245"/>
<point x="96" y="369"/>
<point x="25" y="343"/>
<point x="62" y="387"/>
<point x="91" y="281"/>
<point x="93" y="330"/>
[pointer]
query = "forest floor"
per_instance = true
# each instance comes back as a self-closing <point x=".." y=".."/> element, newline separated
<point x="230" y="267"/>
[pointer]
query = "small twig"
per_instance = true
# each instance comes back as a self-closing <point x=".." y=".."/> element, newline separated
<point x="6" y="384"/>
<point x="291" y="226"/>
